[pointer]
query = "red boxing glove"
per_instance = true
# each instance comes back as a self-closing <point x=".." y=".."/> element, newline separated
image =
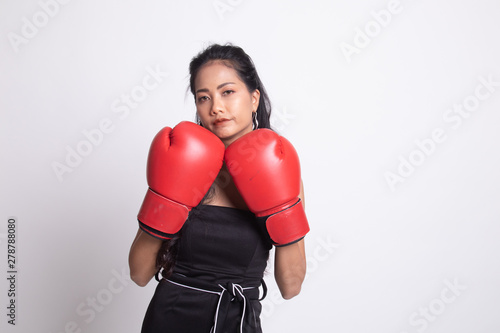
<point x="183" y="163"/>
<point x="266" y="170"/>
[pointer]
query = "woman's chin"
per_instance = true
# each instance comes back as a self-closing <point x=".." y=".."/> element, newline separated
<point x="222" y="133"/>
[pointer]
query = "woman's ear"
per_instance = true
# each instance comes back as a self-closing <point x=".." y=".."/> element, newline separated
<point x="255" y="99"/>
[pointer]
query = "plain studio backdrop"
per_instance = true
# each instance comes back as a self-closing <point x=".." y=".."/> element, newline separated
<point x="392" y="105"/>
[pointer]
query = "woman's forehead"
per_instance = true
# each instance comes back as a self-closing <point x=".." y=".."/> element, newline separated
<point x="216" y="72"/>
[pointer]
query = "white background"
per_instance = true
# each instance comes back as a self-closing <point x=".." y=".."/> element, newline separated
<point x="381" y="258"/>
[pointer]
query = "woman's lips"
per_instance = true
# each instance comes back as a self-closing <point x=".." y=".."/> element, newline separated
<point x="220" y="121"/>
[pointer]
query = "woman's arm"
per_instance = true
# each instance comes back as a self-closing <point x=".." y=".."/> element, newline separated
<point x="142" y="258"/>
<point x="290" y="264"/>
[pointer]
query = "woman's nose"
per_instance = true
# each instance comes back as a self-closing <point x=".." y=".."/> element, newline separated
<point x="217" y="105"/>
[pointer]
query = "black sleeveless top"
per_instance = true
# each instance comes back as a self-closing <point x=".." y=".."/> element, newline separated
<point x="222" y="243"/>
<point x="215" y="283"/>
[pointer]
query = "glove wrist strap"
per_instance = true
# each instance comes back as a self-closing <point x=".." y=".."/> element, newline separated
<point x="161" y="217"/>
<point x="287" y="226"/>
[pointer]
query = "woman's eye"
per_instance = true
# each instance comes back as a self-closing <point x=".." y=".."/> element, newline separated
<point x="227" y="92"/>
<point x="202" y="98"/>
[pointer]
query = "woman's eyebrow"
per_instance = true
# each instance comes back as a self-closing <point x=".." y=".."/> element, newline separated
<point x="224" y="84"/>
<point x="218" y="87"/>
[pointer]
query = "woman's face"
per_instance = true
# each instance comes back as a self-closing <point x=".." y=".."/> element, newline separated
<point x="223" y="102"/>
